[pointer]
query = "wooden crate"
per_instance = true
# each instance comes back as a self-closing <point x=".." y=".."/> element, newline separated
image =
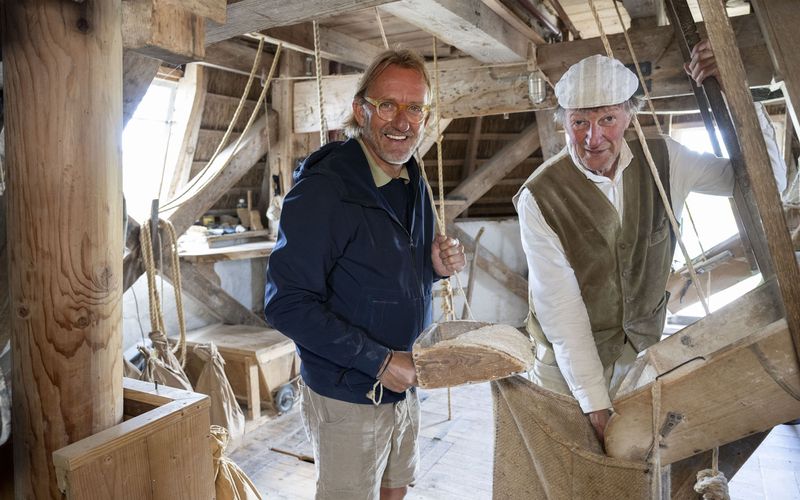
<point x="161" y="450"/>
<point x="258" y="361"/>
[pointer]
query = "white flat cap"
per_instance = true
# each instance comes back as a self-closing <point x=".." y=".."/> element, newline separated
<point x="596" y="81"/>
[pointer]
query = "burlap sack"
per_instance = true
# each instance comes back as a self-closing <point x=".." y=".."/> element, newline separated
<point x="231" y="483"/>
<point x="546" y="448"/>
<point x="162" y="366"/>
<point x="129" y="369"/>
<point x="225" y="411"/>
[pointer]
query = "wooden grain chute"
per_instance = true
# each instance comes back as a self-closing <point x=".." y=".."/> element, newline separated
<point x="464" y="352"/>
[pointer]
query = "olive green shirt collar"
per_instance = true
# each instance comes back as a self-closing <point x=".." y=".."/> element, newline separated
<point x="380" y="177"/>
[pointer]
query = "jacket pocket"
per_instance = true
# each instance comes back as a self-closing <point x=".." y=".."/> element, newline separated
<point x="660" y="232"/>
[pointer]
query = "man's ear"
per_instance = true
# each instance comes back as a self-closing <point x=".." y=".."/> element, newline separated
<point x="358" y="112"/>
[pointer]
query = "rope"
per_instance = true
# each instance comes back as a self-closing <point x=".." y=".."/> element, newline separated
<point x="655" y="455"/>
<point x="173" y="203"/>
<point x="156" y="313"/>
<point x="380" y="26"/>
<point x="656" y="178"/>
<point x="649" y="101"/>
<point x="323" y="124"/>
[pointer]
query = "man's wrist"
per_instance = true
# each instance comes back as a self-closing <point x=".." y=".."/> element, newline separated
<point x="385" y="365"/>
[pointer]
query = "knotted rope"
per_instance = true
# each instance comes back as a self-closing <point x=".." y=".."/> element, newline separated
<point x="323" y="124"/>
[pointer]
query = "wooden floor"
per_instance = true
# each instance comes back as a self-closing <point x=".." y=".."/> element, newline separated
<point x="456" y="455"/>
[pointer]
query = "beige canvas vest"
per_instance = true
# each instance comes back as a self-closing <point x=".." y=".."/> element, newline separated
<point x="622" y="269"/>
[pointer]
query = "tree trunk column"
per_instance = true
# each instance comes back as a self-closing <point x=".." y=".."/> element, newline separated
<point x="63" y="92"/>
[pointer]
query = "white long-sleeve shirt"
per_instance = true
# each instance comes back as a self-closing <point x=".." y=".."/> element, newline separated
<point x="551" y="280"/>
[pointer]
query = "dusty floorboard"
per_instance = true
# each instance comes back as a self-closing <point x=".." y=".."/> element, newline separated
<point x="456" y="455"/>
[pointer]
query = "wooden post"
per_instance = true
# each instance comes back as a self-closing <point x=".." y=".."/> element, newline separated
<point x="63" y="88"/>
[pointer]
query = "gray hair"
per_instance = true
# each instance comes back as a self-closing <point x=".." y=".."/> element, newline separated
<point x="403" y="58"/>
<point x="631" y="106"/>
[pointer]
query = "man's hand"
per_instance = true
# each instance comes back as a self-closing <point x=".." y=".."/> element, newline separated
<point x="400" y="373"/>
<point x="447" y="255"/>
<point x="703" y="63"/>
<point x="599" y="420"/>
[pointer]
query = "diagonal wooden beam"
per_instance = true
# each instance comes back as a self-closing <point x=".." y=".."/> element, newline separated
<point x="756" y="161"/>
<point x="236" y="56"/>
<point x="138" y="71"/>
<point x="429" y="137"/>
<point x="218" y="180"/>
<point x="334" y="45"/>
<point x="257" y="15"/>
<point x="489" y="262"/>
<point x="469" y="25"/>
<point x="216" y="300"/>
<point x="501" y="164"/>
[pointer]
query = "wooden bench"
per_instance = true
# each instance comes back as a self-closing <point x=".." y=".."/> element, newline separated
<point x="258" y="362"/>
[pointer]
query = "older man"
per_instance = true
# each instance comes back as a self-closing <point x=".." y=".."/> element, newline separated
<point x="350" y="282"/>
<point x="596" y="235"/>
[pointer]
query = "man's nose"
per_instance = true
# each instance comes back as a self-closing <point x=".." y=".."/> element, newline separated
<point x="593" y="135"/>
<point x="401" y="121"/>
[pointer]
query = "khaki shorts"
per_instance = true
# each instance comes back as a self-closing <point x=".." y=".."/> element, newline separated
<point x="360" y="448"/>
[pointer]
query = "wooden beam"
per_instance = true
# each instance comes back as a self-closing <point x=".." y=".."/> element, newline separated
<point x="466" y="89"/>
<point x="493" y="265"/>
<point x="333" y="45"/>
<point x="162" y="31"/>
<point x="469" y="25"/>
<point x="63" y="126"/>
<point x="503" y="162"/>
<point x="225" y="171"/>
<point x="236" y="56"/>
<point x="216" y="10"/>
<point x="514" y="21"/>
<point x="552" y="139"/>
<point x="138" y="72"/>
<point x="245" y="16"/>
<point x="756" y="159"/>
<point x="216" y="300"/>
<point x="190" y="100"/>
<point x="282" y="160"/>
<point x="471" y="154"/>
<point x="779" y="20"/>
<point x="658" y="47"/>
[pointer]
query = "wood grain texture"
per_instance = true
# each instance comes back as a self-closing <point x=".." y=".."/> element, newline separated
<point x="463" y="352"/>
<point x="468" y="25"/>
<point x="245" y="16"/>
<point x="190" y="100"/>
<point x="754" y="154"/>
<point x="551" y="135"/>
<point x="334" y="45"/>
<point x="779" y="20"/>
<point x="659" y="46"/>
<point x="720" y="399"/>
<point x="229" y="54"/>
<point x="163" y="452"/>
<point x="215" y="10"/>
<point x="159" y="29"/>
<point x="63" y="94"/>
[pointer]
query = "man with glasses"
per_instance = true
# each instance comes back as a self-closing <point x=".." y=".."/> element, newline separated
<point x="350" y="282"/>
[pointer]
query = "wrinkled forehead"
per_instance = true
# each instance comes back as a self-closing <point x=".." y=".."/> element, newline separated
<point x="593" y="112"/>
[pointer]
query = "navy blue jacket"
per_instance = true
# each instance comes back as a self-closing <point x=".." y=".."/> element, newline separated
<point x="346" y="281"/>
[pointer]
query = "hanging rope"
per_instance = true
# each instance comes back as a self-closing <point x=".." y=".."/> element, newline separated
<point x="176" y="201"/>
<point x="714" y="476"/>
<point x="156" y="313"/>
<point x="380" y="26"/>
<point x="323" y="124"/>
<point x="649" y="101"/>
<point x="656" y="178"/>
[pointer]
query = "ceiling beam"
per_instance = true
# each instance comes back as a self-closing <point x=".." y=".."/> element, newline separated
<point x="502" y="163"/>
<point x="248" y="16"/>
<point x="236" y="56"/>
<point x="468" y="25"/>
<point x="333" y="45"/>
